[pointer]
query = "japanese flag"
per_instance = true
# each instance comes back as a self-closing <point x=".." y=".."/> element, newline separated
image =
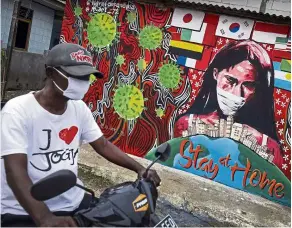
<point x="234" y="27"/>
<point x="190" y="19"/>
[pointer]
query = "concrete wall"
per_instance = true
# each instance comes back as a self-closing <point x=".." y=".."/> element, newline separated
<point x="41" y="27"/>
<point x="278" y="7"/>
<point x="27" y="71"/>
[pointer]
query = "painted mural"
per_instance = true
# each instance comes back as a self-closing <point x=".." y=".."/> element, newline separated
<point x="216" y="87"/>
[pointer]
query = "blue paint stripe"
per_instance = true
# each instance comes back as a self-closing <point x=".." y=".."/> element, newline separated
<point x="277" y="65"/>
<point x="181" y="60"/>
<point x="283" y="84"/>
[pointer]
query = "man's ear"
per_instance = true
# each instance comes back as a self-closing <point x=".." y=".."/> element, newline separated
<point x="215" y="73"/>
<point x="49" y="72"/>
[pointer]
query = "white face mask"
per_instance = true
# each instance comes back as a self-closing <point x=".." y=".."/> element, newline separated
<point x="76" y="88"/>
<point x="228" y="102"/>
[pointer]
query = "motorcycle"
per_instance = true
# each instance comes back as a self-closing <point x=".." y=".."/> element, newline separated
<point x="129" y="204"/>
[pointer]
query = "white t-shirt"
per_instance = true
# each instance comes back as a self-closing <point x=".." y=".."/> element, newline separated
<point x="51" y="143"/>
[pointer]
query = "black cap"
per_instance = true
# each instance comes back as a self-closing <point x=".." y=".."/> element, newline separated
<point x="73" y="59"/>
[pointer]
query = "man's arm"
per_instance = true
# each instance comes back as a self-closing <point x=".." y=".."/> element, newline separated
<point x="113" y="154"/>
<point x="92" y="134"/>
<point x="20" y="183"/>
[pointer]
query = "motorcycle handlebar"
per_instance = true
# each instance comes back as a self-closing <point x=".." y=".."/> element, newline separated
<point x="146" y="187"/>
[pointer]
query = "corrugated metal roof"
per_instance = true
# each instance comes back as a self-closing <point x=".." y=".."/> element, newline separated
<point x="234" y="11"/>
<point x="214" y="8"/>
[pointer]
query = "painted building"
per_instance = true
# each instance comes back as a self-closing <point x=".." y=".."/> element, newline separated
<point x="236" y="131"/>
<point x="192" y="72"/>
<point x="39" y="24"/>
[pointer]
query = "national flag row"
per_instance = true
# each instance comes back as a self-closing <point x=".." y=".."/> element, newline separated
<point x="197" y="33"/>
<point x="198" y="57"/>
<point x="202" y="28"/>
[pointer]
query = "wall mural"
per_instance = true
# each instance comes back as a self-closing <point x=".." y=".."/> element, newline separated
<point x="216" y="87"/>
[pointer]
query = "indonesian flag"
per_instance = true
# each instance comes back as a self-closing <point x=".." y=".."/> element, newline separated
<point x="189" y="19"/>
<point x="234" y="27"/>
<point x="268" y="33"/>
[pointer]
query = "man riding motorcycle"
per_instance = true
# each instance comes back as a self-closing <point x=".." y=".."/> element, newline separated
<point x="42" y="132"/>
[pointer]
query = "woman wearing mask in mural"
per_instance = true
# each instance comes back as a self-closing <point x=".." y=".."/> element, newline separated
<point x="238" y="83"/>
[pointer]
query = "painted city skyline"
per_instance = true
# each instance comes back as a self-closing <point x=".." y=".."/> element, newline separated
<point x="229" y="129"/>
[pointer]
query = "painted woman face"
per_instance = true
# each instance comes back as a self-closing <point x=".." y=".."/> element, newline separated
<point x="239" y="80"/>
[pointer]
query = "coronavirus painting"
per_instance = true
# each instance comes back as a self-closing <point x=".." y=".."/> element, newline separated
<point x="216" y="87"/>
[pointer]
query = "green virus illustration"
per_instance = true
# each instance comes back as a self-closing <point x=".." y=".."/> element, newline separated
<point x="101" y="30"/>
<point x="159" y="112"/>
<point x="131" y="17"/>
<point x="169" y="75"/>
<point x="120" y="60"/>
<point x="78" y="11"/>
<point x="142" y="64"/>
<point x="150" y="37"/>
<point x="128" y="102"/>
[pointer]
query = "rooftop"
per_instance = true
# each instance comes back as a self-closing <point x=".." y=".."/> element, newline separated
<point x="274" y="11"/>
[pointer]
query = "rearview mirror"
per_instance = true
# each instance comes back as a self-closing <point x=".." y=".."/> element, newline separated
<point x="163" y="152"/>
<point x="53" y="185"/>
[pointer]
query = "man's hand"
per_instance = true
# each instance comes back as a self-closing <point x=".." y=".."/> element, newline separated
<point x="150" y="175"/>
<point x="57" y="221"/>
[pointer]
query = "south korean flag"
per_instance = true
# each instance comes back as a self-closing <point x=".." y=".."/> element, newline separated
<point x="234" y="27"/>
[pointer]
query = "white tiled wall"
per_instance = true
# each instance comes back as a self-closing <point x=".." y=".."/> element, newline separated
<point x="41" y="27"/>
<point x="278" y="7"/>
<point x="6" y="16"/>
